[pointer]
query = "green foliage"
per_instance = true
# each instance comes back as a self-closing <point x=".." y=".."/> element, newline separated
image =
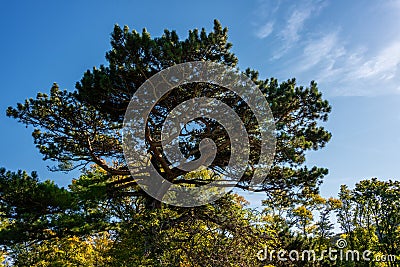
<point x="31" y="208"/>
<point x="66" y="252"/>
<point x="32" y="211"/>
<point x="219" y="234"/>
<point x="105" y="219"/>
<point x="370" y="215"/>
<point x="83" y="127"/>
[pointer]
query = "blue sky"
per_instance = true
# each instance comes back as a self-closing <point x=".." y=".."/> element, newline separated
<point x="351" y="48"/>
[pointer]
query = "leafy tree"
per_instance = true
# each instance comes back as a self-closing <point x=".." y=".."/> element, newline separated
<point x="370" y="217"/>
<point x="219" y="234"/>
<point x="32" y="210"/>
<point x="324" y="227"/>
<point x="80" y="128"/>
<point x="380" y="202"/>
<point x="67" y="251"/>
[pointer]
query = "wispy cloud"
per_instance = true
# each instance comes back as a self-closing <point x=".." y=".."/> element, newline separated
<point x="351" y="70"/>
<point x="346" y="58"/>
<point x="265" y="16"/>
<point x="265" y="30"/>
<point x="294" y="24"/>
<point x="290" y="22"/>
<point x="292" y="31"/>
<point x="325" y="50"/>
<point x="383" y="66"/>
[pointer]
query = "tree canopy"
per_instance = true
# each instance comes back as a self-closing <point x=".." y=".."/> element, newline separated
<point x="84" y="126"/>
<point x="104" y="218"/>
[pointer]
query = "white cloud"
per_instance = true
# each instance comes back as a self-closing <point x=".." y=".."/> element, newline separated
<point x="326" y="49"/>
<point x="346" y="69"/>
<point x="265" y="30"/>
<point x="294" y="24"/>
<point x="345" y="58"/>
<point x="368" y="73"/>
<point x="383" y="66"/>
<point x="292" y="32"/>
<point x="355" y="71"/>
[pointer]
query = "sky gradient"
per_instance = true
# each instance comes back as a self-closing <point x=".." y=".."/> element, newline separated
<point x="351" y="48"/>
